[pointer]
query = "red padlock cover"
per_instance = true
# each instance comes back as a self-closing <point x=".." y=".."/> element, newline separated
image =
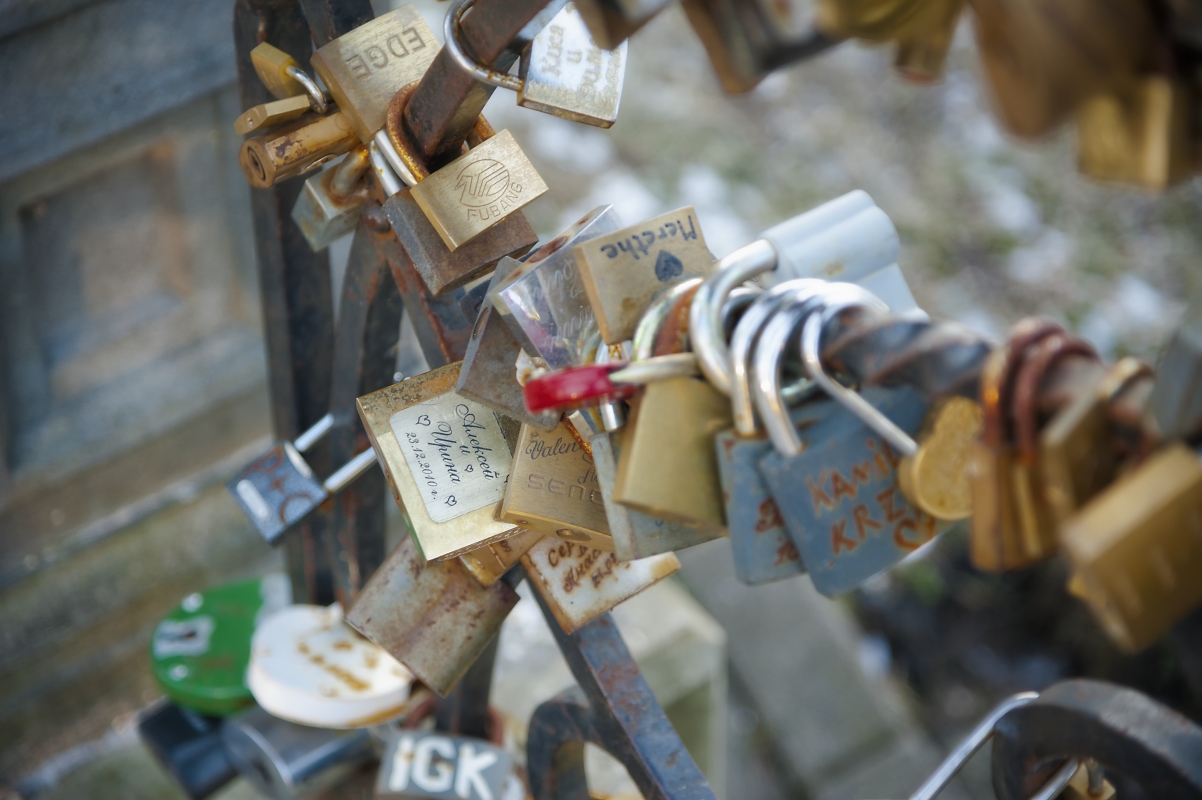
<point x="576" y="387"/>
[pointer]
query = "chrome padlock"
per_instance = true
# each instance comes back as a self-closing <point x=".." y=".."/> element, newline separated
<point x="278" y="489"/>
<point x="838" y="492"/>
<point x="563" y="72"/>
<point x="433" y="617"/>
<point x="330" y="204"/>
<point x="488" y="375"/>
<point x="286" y="761"/>
<point x="188" y="746"/>
<point x="435" y="766"/>
<point x="544" y="301"/>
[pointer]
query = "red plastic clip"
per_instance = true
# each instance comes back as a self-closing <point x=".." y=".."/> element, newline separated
<point x="576" y="387"/>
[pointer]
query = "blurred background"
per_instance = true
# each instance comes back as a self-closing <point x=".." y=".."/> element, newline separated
<point x="132" y="374"/>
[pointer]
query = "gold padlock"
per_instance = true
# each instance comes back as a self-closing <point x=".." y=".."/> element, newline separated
<point x="936" y="479"/>
<point x="277" y="70"/>
<point x="922" y="52"/>
<point x="268" y="115"/>
<point x="364" y="68"/>
<point x="488" y="563"/>
<point x="1137" y="548"/>
<point x="1137" y="134"/>
<point x="295" y="148"/>
<point x="553" y="488"/>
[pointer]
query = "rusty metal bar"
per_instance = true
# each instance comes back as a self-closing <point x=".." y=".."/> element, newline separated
<point x="615" y="710"/>
<point x="368" y="324"/>
<point x="294" y="282"/>
<point x="329" y="19"/>
<point x="447" y="101"/>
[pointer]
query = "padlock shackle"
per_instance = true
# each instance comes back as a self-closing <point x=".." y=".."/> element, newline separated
<point x="315" y="433"/>
<point x="317" y="98"/>
<point x="455" y="49"/>
<point x="389" y="182"/>
<point x="656" y="316"/>
<point x="349" y="471"/>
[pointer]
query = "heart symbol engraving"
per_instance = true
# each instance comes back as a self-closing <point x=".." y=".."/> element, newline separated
<point x="424" y="419"/>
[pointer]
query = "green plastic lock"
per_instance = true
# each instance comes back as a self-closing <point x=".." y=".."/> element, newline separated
<point x="199" y="652"/>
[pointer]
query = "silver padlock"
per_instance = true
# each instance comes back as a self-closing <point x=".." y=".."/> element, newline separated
<point x="278" y="489"/>
<point x="563" y="72"/>
<point x="286" y="761"/>
<point x="435" y="766"/>
<point x="330" y="203"/>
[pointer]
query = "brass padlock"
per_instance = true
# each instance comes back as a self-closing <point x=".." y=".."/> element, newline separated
<point x="623" y="271"/>
<point x="922" y="52"/>
<point x="553" y="488"/>
<point x="1138" y="133"/>
<point x="278" y="71"/>
<point x="612" y="22"/>
<point x="364" y="68"/>
<point x="714" y="21"/>
<point x="488" y="563"/>
<point x="268" y="115"/>
<point x="935" y="479"/>
<point x="1137" y="548"/>
<point x="446" y="459"/>
<point x="295" y="148"/>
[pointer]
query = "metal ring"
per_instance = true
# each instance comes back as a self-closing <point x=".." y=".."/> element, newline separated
<point x="705" y="316"/>
<point x="455" y="48"/>
<point x="811" y="337"/>
<point x="653" y="319"/>
<point x="317" y="98"/>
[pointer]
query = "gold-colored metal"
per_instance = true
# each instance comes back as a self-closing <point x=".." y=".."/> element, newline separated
<point x="874" y="20"/>
<point x="446" y="459"/>
<point x="668" y="467"/>
<point x="363" y="69"/>
<point x="922" y="52"/>
<point x="730" y="65"/>
<point x="1137" y="548"/>
<point x="479" y="189"/>
<point x="553" y="489"/>
<point x="622" y="271"/>
<point x="935" y="479"/>
<point x="580" y="583"/>
<point x="1137" y="135"/>
<point x="273" y="113"/>
<point x="271" y="64"/>
<point x="608" y="23"/>
<point x="295" y="148"/>
<point x="487" y="564"/>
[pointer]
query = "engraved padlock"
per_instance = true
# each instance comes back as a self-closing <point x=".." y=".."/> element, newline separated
<point x="278" y="489"/>
<point x="562" y="72"/>
<point x="446" y="459"/>
<point x="435" y="766"/>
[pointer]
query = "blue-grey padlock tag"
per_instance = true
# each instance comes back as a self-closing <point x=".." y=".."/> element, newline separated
<point x="418" y="764"/>
<point x="277" y="490"/>
<point x="760" y="543"/>
<point x="840" y="498"/>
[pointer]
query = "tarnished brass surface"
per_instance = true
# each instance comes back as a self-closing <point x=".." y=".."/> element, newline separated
<point x="553" y="489"/>
<point x="487" y="564"/>
<point x="273" y="113"/>
<point x="730" y="65"/>
<point x="1140" y="134"/>
<point x="935" y="479"/>
<point x="295" y="148"/>
<point x="624" y="270"/>
<point x="478" y="190"/>
<point x="457" y="534"/>
<point x="271" y="65"/>
<point x="366" y="67"/>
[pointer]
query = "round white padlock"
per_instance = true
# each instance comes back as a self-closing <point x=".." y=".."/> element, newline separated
<point x="310" y="667"/>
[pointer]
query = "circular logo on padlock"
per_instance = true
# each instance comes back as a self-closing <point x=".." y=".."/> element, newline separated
<point x="482" y="182"/>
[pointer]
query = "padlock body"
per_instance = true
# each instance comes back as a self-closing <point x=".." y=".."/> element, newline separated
<point x="277" y="490"/>
<point x="434" y="766"/>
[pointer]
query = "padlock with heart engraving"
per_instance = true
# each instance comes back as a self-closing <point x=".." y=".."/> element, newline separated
<point x="435" y="766"/>
<point x="562" y="72"/>
<point x="446" y="458"/>
<point x="433" y="617"/>
<point x="837" y="491"/>
<point x="278" y="489"/>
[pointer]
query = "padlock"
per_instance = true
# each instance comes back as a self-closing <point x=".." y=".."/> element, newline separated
<point x="562" y="72"/>
<point x="1176" y="401"/>
<point x="188" y="746"/>
<point x="713" y="21"/>
<point x="580" y="583"/>
<point x="1078" y="448"/>
<point x="282" y="75"/>
<point x="1137" y="133"/>
<point x="446" y="459"/>
<point x="553" y="489"/>
<point x="850" y="521"/>
<point x="285" y="761"/>
<point x="935" y="478"/>
<point x="624" y="270"/>
<point x="922" y="51"/>
<point x="847" y="239"/>
<point x="1137" y="547"/>
<point x="309" y="667"/>
<point x="612" y="22"/>
<point x="330" y="205"/>
<point x="268" y="115"/>
<point x="923" y="29"/>
<point x="488" y="375"/>
<point x="433" y="617"/>
<point x="431" y="764"/>
<point x="995" y="542"/>
<point x="199" y="651"/>
<point x="544" y="301"/>
<point x="487" y="564"/>
<point x="278" y="489"/>
<point x="297" y="147"/>
<point x="1042" y="58"/>
<point x="478" y="190"/>
<point x="364" y="68"/>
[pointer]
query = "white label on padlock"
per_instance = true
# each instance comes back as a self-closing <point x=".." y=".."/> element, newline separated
<point x="456" y="452"/>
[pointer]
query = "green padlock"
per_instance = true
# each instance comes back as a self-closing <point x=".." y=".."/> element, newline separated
<point x="199" y="651"/>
